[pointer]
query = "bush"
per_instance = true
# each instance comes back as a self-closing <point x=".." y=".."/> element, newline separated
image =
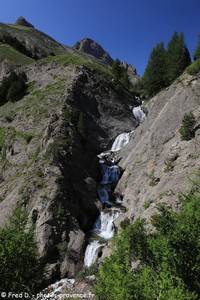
<point x="194" y="68"/>
<point x="169" y="258"/>
<point x="87" y="271"/>
<point x="187" y="129"/>
<point x="13" y="87"/>
<point x="19" y="266"/>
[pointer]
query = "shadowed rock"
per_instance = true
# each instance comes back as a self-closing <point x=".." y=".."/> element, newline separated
<point x="23" y="22"/>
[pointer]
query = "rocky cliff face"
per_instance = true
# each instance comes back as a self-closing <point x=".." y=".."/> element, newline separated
<point x="132" y="72"/>
<point x="49" y="146"/>
<point x="93" y="48"/>
<point x="157" y="163"/>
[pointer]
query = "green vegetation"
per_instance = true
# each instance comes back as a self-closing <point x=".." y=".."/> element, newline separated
<point x="2" y="138"/>
<point x="187" y="128"/>
<point x="162" y="265"/>
<point x="19" y="36"/>
<point x="11" y="40"/>
<point x="197" y="51"/>
<point x="12" y="55"/>
<point x="87" y="271"/>
<point x="147" y="203"/>
<point x="13" y="87"/>
<point x="194" y="68"/>
<point x="79" y="60"/>
<point x="165" y="65"/>
<point x="20" y="268"/>
<point x="155" y="77"/>
<point x="178" y="57"/>
<point x="27" y="136"/>
<point x="120" y="74"/>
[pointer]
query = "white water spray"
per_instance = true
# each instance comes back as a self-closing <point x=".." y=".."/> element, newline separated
<point x="139" y="114"/>
<point x="120" y="141"/>
<point x="91" y="253"/>
<point x="104" y="225"/>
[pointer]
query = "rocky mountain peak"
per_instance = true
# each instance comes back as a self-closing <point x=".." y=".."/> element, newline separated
<point x="23" y="22"/>
<point x="91" y="47"/>
<point x="129" y="68"/>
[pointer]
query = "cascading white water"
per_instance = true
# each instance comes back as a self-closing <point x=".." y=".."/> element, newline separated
<point x="120" y="141"/>
<point x="104" y="225"/>
<point x="139" y="114"/>
<point x="91" y="253"/>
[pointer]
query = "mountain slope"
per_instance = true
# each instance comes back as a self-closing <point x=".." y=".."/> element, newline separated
<point x="50" y="139"/>
<point x="29" y="41"/>
<point x="157" y="163"/>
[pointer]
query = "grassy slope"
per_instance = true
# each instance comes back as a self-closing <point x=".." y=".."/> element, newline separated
<point x="32" y="36"/>
<point x="75" y="58"/>
<point x="12" y="55"/>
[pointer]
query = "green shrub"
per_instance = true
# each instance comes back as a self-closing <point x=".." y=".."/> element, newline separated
<point x="87" y="271"/>
<point x="169" y="258"/>
<point x="194" y="68"/>
<point x="187" y="129"/>
<point x="20" y="268"/>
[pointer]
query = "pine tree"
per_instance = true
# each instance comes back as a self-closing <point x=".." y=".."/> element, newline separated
<point x="178" y="56"/>
<point x="154" y="78"/>
<point x="197" y="51"/>
<point x="120" y="73"/>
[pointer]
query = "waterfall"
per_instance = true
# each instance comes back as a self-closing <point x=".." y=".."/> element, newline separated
<point x="139" y="114"/>
<point x="91" y="253"/>
<point x="104" y="226"/>
<point x="120" y="141"/>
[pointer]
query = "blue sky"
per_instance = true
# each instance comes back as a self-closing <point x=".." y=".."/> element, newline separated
<point x="127" y="29"/>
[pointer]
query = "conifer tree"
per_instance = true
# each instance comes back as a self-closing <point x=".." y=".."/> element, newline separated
<point x="178" y="56"/>
<point x="197" y="51"/>
<point x="120" y="73"/>
<point x="154" y="78"/>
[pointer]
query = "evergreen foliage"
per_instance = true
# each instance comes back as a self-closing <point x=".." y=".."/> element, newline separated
<point x="197" y="51"/>
<point x="169" y="258"/>
<point x="178" y="57"/>
<point x="120" y="73"/>
<point x="187" y="129"/>
<point x="154" y="78"/>
<point x="20" y="270"/>
<point x="164" y="66"/>
<point x="194" y="68"/>
<point x="13" y="87"/>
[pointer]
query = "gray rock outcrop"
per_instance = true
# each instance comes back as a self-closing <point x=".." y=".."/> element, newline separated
<point x="158" y="164"/>
<point x="93" y="48"/>
<point x="23" y="22"/>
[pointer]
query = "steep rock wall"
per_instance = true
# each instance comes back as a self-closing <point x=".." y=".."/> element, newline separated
<point x="158" y="164"/>
<point x="48" y="156"/>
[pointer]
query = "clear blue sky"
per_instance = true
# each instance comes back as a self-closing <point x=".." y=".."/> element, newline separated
<point x="127" y="29"/>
